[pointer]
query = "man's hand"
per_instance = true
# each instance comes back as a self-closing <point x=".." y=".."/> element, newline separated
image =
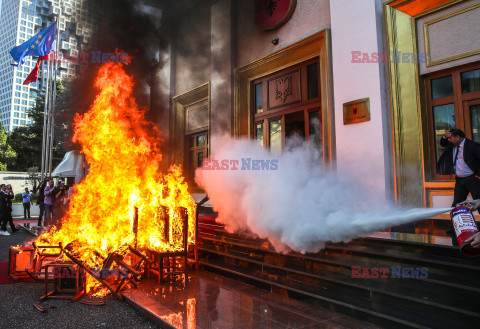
<point x="470" y="204"/>
<point x="474" y="240"/>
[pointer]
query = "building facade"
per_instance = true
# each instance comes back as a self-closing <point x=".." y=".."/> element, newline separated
<point x="22" y="19"/>
<point x="413" y="66"/>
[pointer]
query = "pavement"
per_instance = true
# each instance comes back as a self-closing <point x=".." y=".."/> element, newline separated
<point x="18" y="311"/>
<point x="20" y="237"/>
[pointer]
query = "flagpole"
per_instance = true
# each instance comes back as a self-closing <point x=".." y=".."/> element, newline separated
<point x="45" y="114"/>
<point x="52" y="120"/>
<point x="49" y="119"/>
<point x="54" y="90"/>
<point x="19" y="53"/>
<point x="50" y="123"/>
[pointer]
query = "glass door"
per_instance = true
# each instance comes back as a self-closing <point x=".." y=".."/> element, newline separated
<point x="472" y="127"/>
<point x="197" y="151"/>
<point x="453" y="99"/>
<point x="286" y="106"/>
<point x="275" y="135"/>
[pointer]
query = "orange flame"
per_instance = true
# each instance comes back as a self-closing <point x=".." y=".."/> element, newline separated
<point x="123" y="152"/>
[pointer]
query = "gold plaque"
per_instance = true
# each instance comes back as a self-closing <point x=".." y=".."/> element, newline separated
<point x="356" y="111"/>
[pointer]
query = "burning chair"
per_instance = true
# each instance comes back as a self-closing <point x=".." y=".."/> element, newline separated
<point x="37" y="258"/>
<point x="68" y="281"/>
<point x="19" y="262"/>
<point x="171" y="263"/>
<point x="98" y="218"/>
<point x="115" y="273"/>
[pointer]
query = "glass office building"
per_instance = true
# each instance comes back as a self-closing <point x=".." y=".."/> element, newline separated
<point x="22" y="19"/>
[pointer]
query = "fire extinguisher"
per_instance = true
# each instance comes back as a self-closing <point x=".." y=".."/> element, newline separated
<point x="465" y="226"/>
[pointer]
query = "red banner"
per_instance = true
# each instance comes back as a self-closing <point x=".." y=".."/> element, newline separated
<point x="32" y="77"/>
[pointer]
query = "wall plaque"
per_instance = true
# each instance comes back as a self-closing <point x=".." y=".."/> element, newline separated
<point x="356" y="111"/>
<point x="271" y="14"/>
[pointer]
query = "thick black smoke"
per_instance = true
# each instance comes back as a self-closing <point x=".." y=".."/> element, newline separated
<point x="134" y="27"/>
<point x="145" y="30"/>
<point x="130" y="27"/>
<point x="139" y="30"/>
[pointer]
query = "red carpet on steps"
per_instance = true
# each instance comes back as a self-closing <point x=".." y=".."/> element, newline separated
<point x="24" y="221"/>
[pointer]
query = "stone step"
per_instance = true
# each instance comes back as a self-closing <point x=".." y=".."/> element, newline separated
<point x="424" y="288"/>
<point x="419" y="291"/>
<point x="403" y="249"/>
<point x="414" y="249"/>
<point x="441" y="295"/>
<point x="377" y="307"/>
<point x="440" y="270"/>
<point x="391" y="245"/>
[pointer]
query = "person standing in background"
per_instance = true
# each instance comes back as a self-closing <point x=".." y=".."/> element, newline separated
<point x="3" y="209"/>
<point x="9" y="195"/>
<point x="59" y="204"/>
<point x="48" y="200"/>
<point x="40" y="202"/>
<point x="27" y="198"/>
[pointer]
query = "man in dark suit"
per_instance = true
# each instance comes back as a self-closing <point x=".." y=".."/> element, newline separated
<point x="461" y="158"/>
<point x="6" y="197"/>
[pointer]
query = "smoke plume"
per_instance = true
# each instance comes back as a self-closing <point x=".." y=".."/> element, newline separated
<point x="292" y="200"/>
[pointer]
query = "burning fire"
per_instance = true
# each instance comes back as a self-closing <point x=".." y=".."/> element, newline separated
<point x="124" y="156"/>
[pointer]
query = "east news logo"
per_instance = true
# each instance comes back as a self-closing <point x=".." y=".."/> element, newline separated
<point x="392" y="272"/>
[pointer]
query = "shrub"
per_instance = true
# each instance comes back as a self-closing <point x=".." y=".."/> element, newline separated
<point x="18" y="197"/>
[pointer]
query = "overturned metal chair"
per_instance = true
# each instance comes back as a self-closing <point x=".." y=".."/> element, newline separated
<point x="115" y="274"/>
<point x="68" y="281"/>
<point x="30" y="262"/>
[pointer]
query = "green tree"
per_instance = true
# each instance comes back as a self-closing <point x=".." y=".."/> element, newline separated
<point x="7" y="154"/>
<point x="34" y="178"/>
<point x="27" y="146"/>
<point x="27" y="141"/>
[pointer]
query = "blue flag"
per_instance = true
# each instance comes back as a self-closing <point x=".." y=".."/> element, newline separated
<point x="40" y="44"/>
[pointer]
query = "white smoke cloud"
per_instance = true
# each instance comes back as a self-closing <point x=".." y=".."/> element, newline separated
<point x="298" y="206"/>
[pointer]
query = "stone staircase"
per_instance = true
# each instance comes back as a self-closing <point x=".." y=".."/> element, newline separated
<point x="443" y="292"/>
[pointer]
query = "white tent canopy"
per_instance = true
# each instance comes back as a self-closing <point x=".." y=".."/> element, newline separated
<point x="71" y="166"/>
